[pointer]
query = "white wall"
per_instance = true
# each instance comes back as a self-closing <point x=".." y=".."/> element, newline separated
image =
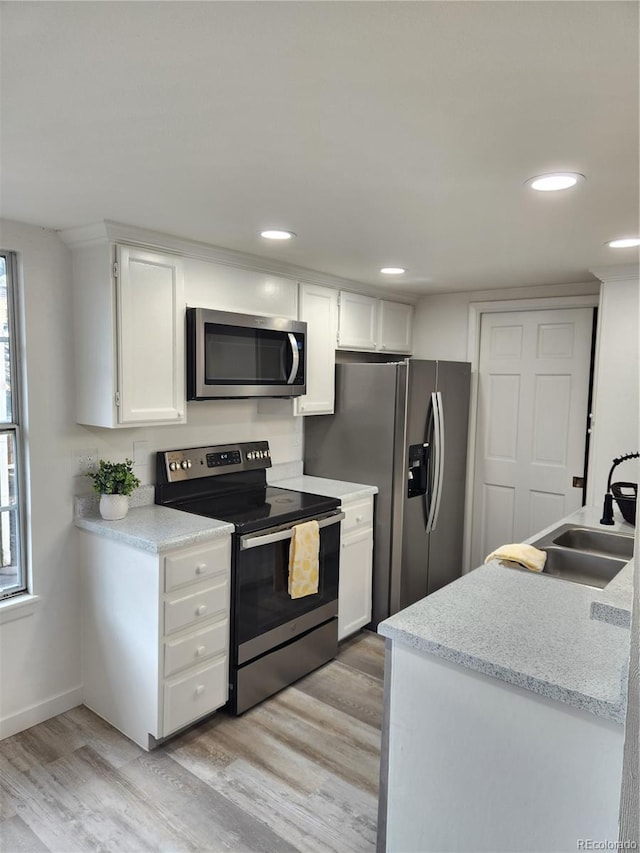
<point x="615" y="427"/>
<point x="441" y="321"/>
<point x="40" y="654"/>
<point x="441" y="331"/>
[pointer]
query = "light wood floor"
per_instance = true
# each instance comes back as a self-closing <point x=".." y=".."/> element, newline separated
<point x="297" y="773"/>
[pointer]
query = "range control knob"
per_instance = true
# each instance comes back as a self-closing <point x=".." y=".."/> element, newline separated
<point x="184" y="464"/>
<point x="173" y="466"/>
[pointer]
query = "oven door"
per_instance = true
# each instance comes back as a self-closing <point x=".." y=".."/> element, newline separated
<point x="265" y="615"/>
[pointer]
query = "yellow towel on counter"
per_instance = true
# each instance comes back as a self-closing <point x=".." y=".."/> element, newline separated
<point x="303" y="559"/>
<point x="525" y="555"/>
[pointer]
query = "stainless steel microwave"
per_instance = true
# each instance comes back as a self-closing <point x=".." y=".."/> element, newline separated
<point x="239" y="355"/>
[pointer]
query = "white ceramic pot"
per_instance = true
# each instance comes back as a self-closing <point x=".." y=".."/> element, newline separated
<point x="114" y="507"/>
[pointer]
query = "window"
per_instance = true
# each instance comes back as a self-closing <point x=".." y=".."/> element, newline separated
<point x="12" y="573"/>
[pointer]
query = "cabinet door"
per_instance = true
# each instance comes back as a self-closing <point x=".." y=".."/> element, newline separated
<point x="151" y="357"/>
<point x="354" y="592"/>
<point x="357" y="321"/>
<point x="394" y="326"/>
<point x="318" y="308"/>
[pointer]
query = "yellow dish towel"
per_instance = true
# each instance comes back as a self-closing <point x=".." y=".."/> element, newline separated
<point x="303" y="559"/>
<point x="525" y="555"/>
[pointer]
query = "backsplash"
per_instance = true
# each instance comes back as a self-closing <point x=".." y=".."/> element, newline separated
<point x="87" y="505"/>
<point x="214" y="422"/>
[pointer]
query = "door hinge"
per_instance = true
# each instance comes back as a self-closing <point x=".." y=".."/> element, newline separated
<point x="116" y="270"/>
<point x="117" y="398"/>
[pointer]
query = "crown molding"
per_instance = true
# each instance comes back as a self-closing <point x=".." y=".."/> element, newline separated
<point x="618" y="272"/>
<point x="117" y="232"/>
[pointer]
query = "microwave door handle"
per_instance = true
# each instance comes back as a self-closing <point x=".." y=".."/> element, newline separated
<point x="295" y="358"/>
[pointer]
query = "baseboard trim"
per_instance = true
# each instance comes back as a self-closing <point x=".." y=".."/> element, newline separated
<point x="35" y="714"/>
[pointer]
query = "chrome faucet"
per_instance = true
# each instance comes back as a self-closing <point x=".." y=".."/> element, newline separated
<point x="607" y="510"/>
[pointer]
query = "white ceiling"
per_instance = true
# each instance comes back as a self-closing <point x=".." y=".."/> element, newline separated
<point x="382" y="133"/>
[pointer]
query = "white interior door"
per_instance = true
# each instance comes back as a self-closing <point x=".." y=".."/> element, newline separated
<point x="533" y="384"/>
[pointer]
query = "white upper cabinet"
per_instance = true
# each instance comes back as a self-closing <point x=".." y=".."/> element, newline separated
<point x="129" y="316"/>
<point x="318" y="308"/>
<point x="151" y="323"/>
<point x="394" y="326"/>
<point x="372" y="324"/>
<point x="357" y="322"/>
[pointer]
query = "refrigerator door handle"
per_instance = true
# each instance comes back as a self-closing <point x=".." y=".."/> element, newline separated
<point x="428" y="440"/>
<point x="434" y="462"/>
<point x="438" y="456"/>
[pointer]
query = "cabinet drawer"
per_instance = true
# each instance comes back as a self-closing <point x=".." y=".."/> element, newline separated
<point x="193" y="696"/>
<point x="196" y="607"/>
<point x="358" y="514"/>
<point x="196" y="564"/>
<point x="196" y="648"/>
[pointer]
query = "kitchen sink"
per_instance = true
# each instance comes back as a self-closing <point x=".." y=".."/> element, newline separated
<point x="581" y="567"/>
<point x="596" y="542"/>
<point x="585" y="556"/>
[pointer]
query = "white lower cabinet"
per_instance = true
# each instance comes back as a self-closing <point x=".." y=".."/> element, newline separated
<point x="195" y="694"/>
<point x="155" y="660"/>
<point x="356" y="566"/>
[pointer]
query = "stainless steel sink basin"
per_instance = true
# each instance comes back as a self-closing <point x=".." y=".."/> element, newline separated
<point x="581" y="567"/>
<point x="585" y="556"/>
<point x="596" y="542"/>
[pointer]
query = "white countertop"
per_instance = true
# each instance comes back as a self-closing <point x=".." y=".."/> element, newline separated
<point x="532" y="631"/>
<point x="328" y="488"/>
<point x="148" y="526"/>
<point x="157" y="528"/>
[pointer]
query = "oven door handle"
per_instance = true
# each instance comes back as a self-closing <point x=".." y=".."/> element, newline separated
<point x="279" y="535"/>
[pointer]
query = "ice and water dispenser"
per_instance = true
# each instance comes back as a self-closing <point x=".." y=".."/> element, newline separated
<point x="418" y="460"/>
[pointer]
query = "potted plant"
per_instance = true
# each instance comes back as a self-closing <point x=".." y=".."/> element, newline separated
<point x="114" y="482"/>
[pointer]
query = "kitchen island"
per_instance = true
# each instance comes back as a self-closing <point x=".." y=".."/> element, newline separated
<point x="505" y="701"/>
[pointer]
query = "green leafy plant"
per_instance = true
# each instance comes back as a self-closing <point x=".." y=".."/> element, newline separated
<point x="114" y="478"/>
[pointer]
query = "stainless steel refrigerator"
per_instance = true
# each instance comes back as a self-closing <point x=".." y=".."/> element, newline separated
<point x="403" y="428"/>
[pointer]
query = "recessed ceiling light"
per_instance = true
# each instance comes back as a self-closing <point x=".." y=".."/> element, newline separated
<point x="554" y="181"/>
<point x="392" y="270"/>
<point x="277" y="234"/>
<point x="624" y="243"/>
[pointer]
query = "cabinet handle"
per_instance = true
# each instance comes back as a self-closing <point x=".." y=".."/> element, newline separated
<point x="342" y="545"/>
<point x="200" y="610"/>
<point x="359" y="518"/>
<point x="199" y="690"/>
<point x="200" y="651"/>
<point x="200" y="568"/>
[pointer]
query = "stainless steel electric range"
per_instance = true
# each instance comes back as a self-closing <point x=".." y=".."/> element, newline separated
<point x="275" y="639"/>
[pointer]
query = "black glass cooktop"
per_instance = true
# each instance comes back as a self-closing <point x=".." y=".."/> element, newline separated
<point x="257" y="509"/>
